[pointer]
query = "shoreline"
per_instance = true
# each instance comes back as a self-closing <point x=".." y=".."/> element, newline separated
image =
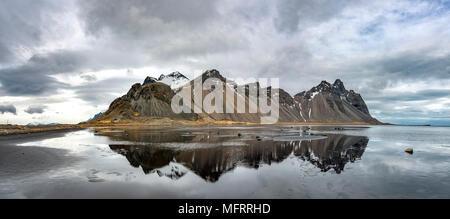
<point x="17" y="162"/>
<point x="165" y="122"/>
<point x="20" y="130"/>
<point x="10" y="130"/>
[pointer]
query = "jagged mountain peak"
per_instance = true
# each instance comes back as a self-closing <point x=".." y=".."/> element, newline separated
<point x="339" y="87"/>
<point x="338" y="82"/>
<point x="213" y="73"/>
<point x="175" y="74"/>
<point x="149" y="80"/>
<point x="325" y="87"/>
<point x="333" y="103"/>
<point x="325" y="84"/>
<point x="174" y="79"/>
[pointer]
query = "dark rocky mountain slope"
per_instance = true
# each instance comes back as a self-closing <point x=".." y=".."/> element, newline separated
<point x="151" y="100"/>
<point x="332" y="103"/>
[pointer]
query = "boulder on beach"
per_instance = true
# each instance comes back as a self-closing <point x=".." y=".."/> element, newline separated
<point x="409" y="151"/>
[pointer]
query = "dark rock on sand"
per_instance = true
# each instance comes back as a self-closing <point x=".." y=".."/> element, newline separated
<point x="409" y="151"/>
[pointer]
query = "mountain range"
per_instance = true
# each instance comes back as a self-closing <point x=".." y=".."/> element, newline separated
<point x="324" y="103"/>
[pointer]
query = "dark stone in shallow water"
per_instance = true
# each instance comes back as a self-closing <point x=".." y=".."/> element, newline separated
<point x="409" y="151"/>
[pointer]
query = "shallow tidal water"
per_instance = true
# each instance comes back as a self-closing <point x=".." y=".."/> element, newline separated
<point x="241" y="162"/>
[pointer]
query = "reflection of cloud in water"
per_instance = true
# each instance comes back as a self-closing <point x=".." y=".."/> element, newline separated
<point x="332" y="152"/>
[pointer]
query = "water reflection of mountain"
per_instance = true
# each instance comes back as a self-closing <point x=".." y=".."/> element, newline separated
<point x="211" y="162"/>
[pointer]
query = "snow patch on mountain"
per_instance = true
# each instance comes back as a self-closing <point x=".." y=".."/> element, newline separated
<point x="174" y="80"/>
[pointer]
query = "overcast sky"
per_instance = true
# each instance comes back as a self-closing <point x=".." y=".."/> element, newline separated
<point x="64" y="61"/>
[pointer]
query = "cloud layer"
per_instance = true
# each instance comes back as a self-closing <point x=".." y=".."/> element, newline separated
<point x="35" y="109"/>
<point x="8" y="109"/>
<point x="82" y="54"/>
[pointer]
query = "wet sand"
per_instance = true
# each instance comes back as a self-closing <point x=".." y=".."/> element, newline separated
<point x="17" y="161"/>
<point x="217" y="162"/>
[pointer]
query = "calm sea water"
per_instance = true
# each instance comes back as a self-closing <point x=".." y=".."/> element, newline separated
<point x="246" y="162"/>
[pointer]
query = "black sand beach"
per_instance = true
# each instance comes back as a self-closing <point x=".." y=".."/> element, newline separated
<point x="26" y="160"/>
<point x="228" y="162"/>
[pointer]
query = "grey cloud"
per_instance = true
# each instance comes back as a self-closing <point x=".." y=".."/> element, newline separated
<point x="414" y="65"/>
<point x="374" y="74"/>
<point x="5" y="53"/>
<point x="89" y="77"/>
<point x="21" y="26"/>
<point x="414" y="96"/>
<point x="163" y="32"/>
<point x="137" y="17"/>
<point x="293" y="14"/>
<point x="24" y="26"/>
<point x="139" y="33"/>
<point x="33" y="77"/>
<point x="100" y="92"/>
<point x="8" y="109"/>
<point x="35" y="109"/>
